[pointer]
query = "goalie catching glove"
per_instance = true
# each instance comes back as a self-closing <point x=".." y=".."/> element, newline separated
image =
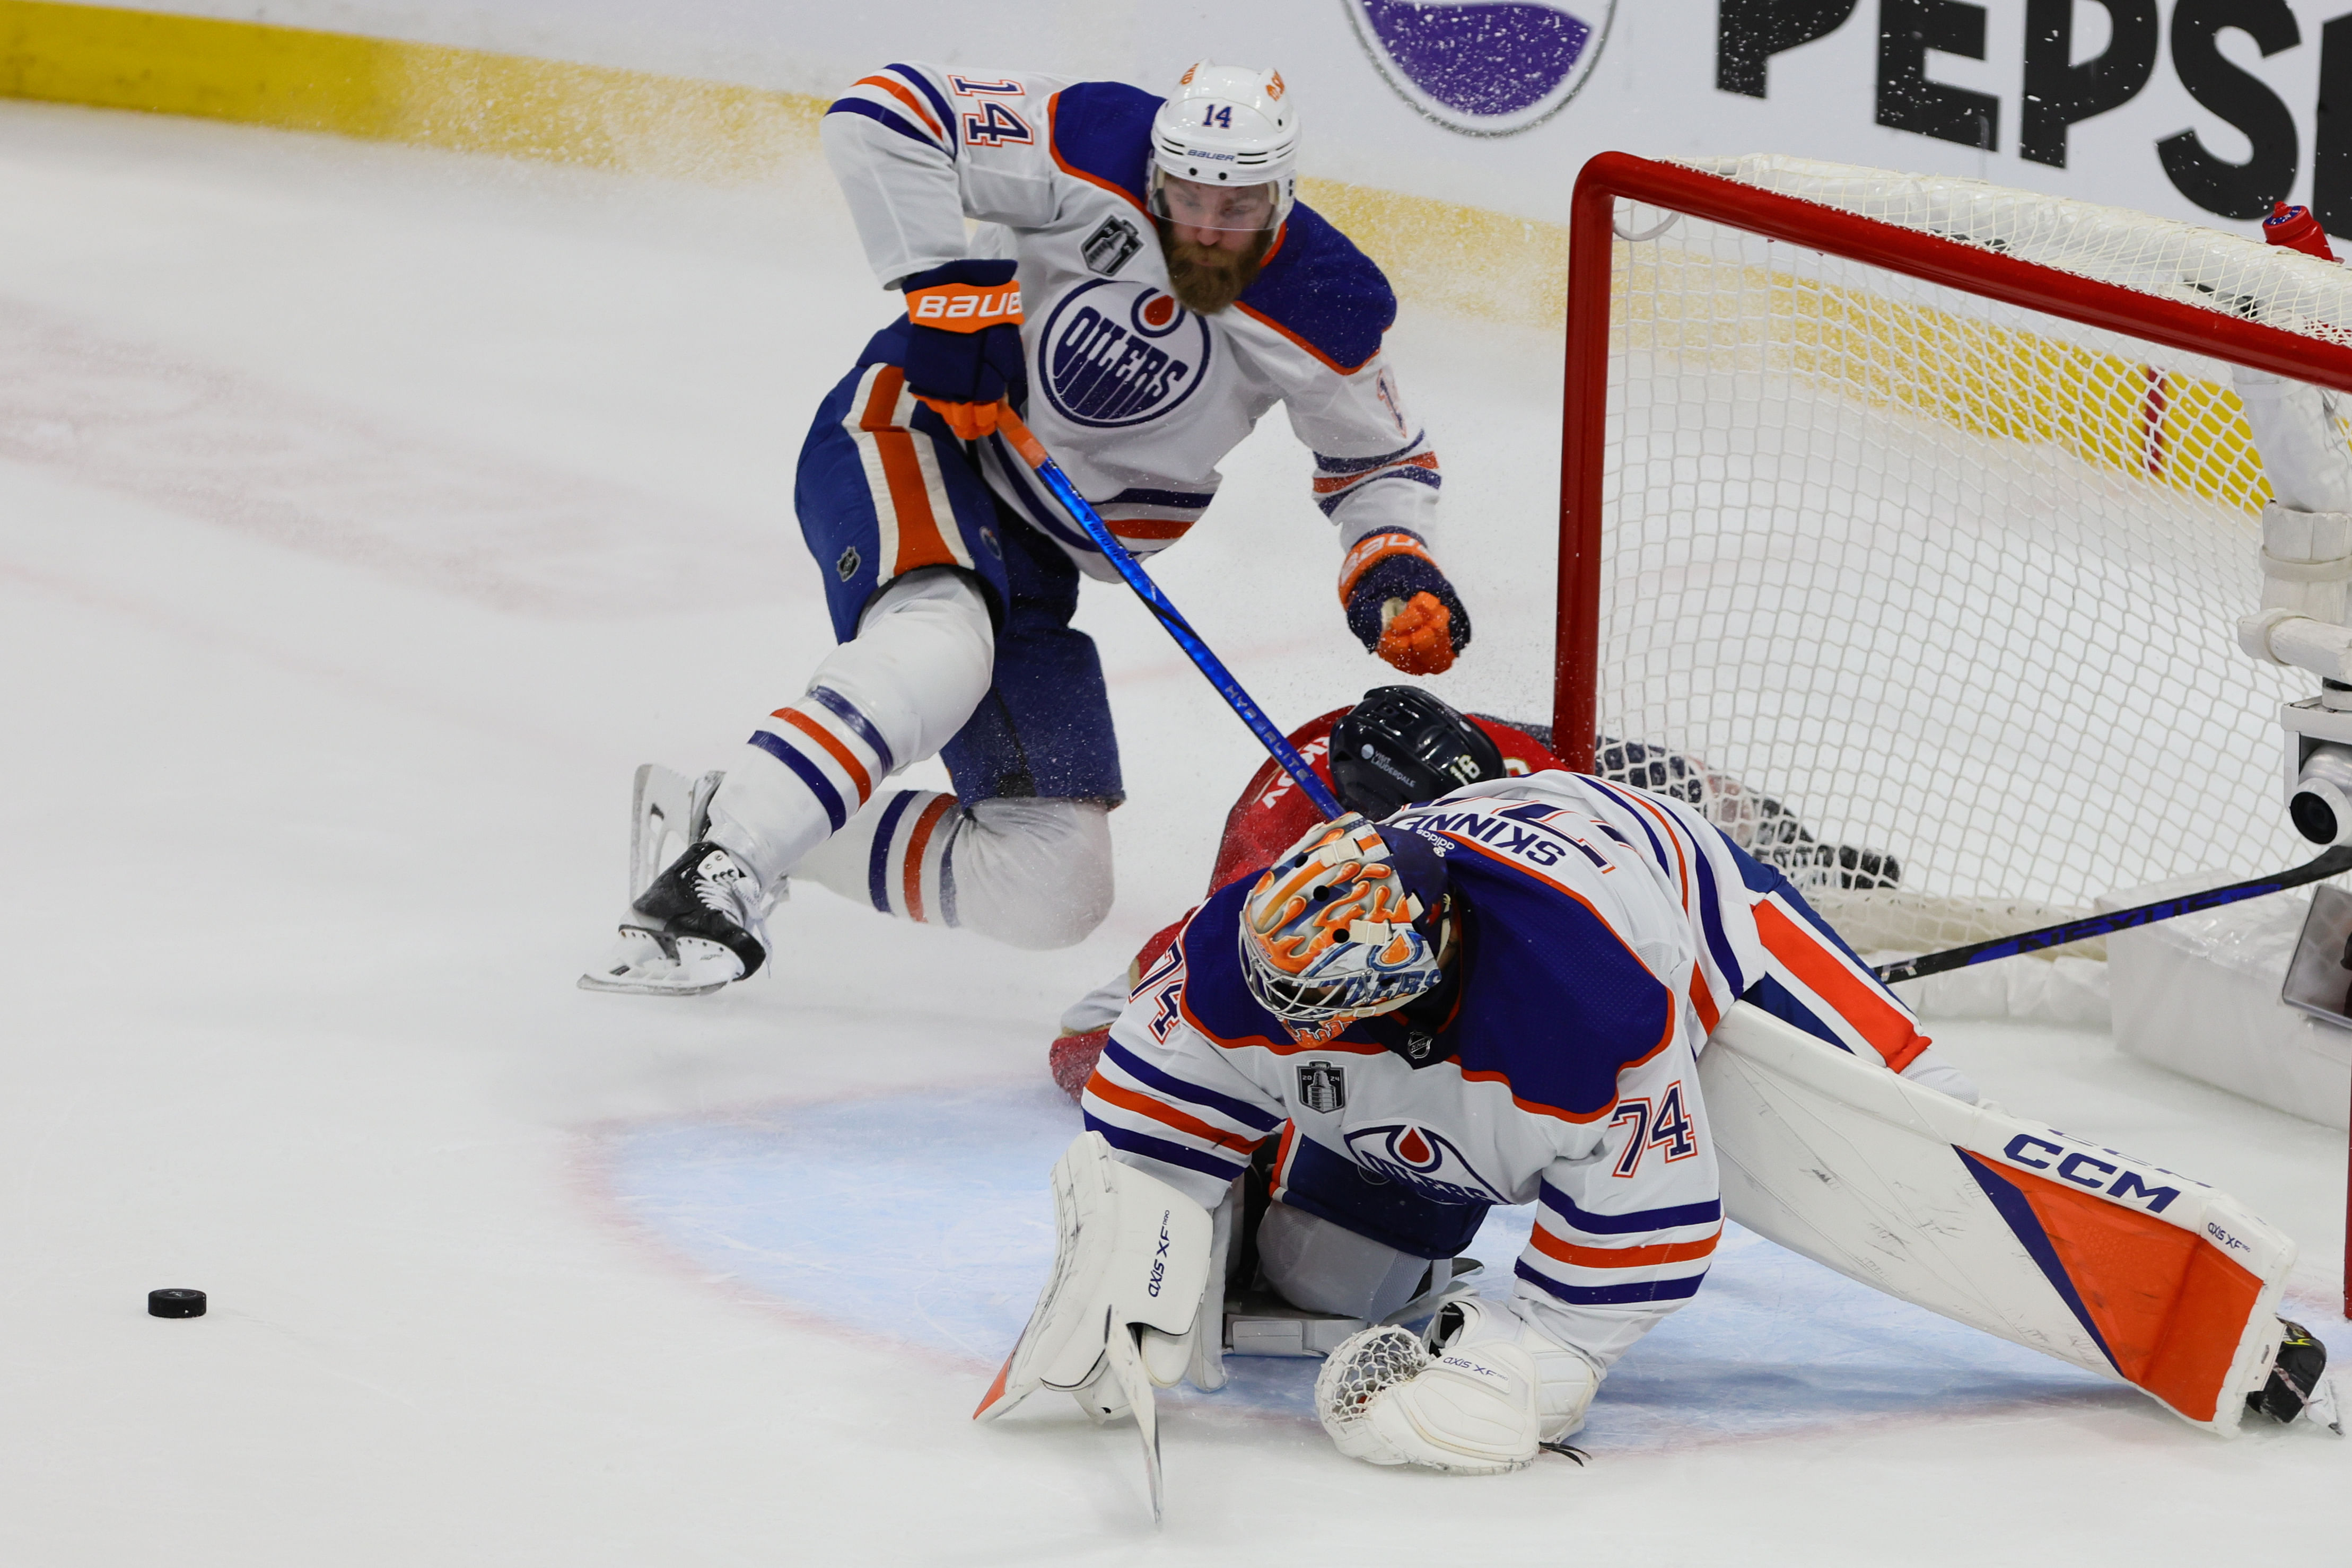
<point x="1399" y="605"/>
<point x="1485" y="1392"/>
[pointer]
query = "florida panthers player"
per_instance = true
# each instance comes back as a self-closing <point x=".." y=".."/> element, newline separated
<point x="1144" y="284"/>
<point x="1496" y="998"/>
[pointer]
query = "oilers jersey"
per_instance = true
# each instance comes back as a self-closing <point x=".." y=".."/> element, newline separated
<point x="1136" y="397"/>
<point x="1606" y="930"/>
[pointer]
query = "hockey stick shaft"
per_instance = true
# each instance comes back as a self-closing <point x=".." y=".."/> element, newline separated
<point x="2332" y="862"/>
<point x="1082" y="512"/>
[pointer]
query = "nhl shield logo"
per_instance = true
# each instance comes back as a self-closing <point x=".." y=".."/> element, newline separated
<point x="1322" y="1087"/>
<point x="1483" y="69"/>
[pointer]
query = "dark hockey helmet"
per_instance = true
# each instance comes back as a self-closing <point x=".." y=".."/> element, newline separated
<point x="1401" y="745"/>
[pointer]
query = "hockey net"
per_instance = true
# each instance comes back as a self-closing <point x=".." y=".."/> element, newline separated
<point x="1917" y="567"/>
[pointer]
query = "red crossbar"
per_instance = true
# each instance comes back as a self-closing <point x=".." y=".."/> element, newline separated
<point x="1971" y="269"/>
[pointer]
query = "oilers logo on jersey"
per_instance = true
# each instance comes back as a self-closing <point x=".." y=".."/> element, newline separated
<point x="1424" y="1160"/>
<point x="1116" y="354"/>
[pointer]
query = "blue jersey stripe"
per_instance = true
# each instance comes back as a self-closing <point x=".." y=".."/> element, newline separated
<point x="1330" y="504"/>
<point x="1641" y="821"/>
<point x="826" y="796"/>
<point x="1164" y="1150"/>
<point x="1639" y="1222"/>
<point x="1186" y="500"/>
<point x="922" y="84"/>
<point x="1611" y="1295"/>
<point x="874" y="112"/>
<point x="1330" y="464"/>
<point x="841" y="708"/>
<point x="877" y="859"/>
<point x="1143" y="1072"/>
<point x="1776" y="999"/>
<point x="1710" y="912"/>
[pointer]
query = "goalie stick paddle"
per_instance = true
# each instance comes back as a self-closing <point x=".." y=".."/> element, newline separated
<point x="1082" y="512"/>
<point x="2332" y="862"/>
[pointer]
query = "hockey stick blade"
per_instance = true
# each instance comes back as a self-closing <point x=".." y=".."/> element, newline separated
<point x="2331" y="863"/>
<point x="1049" y="473"/>
<point x="1127" y="1368"/>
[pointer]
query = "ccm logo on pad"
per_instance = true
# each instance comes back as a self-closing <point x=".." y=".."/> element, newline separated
<point x="2086" y="1169"/>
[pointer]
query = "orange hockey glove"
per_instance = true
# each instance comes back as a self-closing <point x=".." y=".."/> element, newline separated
<point x="1400" y="606"/>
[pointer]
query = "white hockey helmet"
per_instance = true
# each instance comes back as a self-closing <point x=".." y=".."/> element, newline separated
<point x="1232" y="127"/>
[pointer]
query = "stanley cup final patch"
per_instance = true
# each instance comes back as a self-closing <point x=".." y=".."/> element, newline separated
<point x="1111" y="246"/>
<point x="1322" y="1087"/>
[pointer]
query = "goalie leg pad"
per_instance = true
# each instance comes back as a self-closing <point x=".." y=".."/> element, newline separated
<point x="1130" y="1260"/>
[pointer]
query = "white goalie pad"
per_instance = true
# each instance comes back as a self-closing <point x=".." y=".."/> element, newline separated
<point x="1131" y="1258"/>
<point x="2100" y="1260"/>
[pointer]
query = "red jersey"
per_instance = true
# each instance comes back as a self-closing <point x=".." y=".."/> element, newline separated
<point x="1273" y="814"/>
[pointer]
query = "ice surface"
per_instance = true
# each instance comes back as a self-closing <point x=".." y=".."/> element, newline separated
<point x="365" y="517"/>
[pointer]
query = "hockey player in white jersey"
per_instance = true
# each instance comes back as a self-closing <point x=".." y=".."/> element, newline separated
<point x="1500" y="997"/>
<point x="1143" y="287"/>
<point x="1496" y="998"/>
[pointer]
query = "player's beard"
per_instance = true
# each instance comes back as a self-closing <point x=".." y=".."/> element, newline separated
<point x="1206" y="279"/>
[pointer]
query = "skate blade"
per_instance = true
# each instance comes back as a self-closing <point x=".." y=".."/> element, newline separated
<point x="641" y="965"/>
<point x="648" y="986"/>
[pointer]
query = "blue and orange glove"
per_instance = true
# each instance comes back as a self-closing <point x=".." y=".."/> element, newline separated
<point x="1399" y="605"/>
<point x="963" y="355"/>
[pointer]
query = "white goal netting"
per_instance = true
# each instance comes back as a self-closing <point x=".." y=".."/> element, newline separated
<point x="1922" y="590"/>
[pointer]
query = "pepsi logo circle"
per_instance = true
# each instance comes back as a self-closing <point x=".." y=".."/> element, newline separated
<point x="1116" y="354"/>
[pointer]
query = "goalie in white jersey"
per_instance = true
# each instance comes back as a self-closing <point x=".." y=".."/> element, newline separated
<point x="1144" y="286"/>
<point x="1496" y="998"/>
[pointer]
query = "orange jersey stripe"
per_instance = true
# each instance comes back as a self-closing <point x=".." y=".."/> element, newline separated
<point x="920" y="543"/>
<point x="1862" y="1006"/>
<point x="1551" y="1246"/>
<point x="1160" y="1110"/>
<point x="1341" y="481"/>
<point x="1263" y="319"/>
<point x="834" y="748"/>
<point x="1702" y="998"/>
<point x="1149" y="527"/>
<point x="909" y="99"/>
<point x="917" y="841"/>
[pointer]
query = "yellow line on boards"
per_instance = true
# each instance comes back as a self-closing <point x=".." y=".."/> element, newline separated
<point x="1454" y="257"/>
<point x="295" y="78"/>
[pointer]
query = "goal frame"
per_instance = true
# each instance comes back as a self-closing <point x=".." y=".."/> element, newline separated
<point x="1609" y="176"/>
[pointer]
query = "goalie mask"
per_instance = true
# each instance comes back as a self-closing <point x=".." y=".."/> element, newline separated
<point x="1351" y="921"/>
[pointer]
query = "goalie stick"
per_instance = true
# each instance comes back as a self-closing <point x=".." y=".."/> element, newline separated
<point x="2334" y="862"/>
<point x="1033" y="452"/>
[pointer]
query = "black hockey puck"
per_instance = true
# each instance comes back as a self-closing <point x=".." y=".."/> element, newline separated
<point x="175" y="1303"/>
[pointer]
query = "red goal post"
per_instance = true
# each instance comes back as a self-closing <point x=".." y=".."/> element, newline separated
<point x="1610" y="177"/>
<point x="2215" y="331"/>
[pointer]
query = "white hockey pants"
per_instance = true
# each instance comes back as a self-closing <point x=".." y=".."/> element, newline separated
<point x="1326" y="1268"/>
<point x="804" y="799"/>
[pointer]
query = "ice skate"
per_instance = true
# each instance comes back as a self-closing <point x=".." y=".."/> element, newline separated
<point x="695" y="928"/>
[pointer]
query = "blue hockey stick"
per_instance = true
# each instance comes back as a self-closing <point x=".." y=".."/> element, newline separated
<point x="1081" y="512"/>
<point x="2332" y="862"/>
